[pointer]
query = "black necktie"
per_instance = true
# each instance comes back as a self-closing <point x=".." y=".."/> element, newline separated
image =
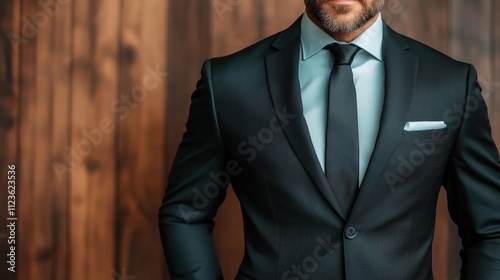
<point x="342" y="143"/>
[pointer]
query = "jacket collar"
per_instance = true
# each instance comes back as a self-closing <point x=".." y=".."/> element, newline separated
<point x="400" y="77"/>
<point x="314" y="39"/>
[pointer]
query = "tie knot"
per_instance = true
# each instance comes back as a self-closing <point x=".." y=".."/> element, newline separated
<point x="342" y="54"/>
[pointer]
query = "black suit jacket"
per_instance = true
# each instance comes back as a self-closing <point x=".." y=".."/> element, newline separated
<point x="246" y="126"/>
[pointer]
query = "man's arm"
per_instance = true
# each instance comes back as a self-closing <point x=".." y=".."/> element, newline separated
<point x="472" y="182"/>
<point x="192" y="199"/>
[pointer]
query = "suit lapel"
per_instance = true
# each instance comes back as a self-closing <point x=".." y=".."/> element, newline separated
<point x="282" y="75"/>
<point x="400" y="77"/>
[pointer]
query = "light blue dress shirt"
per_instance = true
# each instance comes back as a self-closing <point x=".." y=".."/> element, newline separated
<point x="315" y="65"/>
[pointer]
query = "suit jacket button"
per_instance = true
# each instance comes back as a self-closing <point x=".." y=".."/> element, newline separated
<point x="351" y="232"/>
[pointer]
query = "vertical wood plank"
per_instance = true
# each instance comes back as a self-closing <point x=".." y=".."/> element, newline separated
<point x="27" y="87"/>
<point x="141" y="140"/>
<point x="188" y="46"/>
<point x="26" y="129"/>
<point x="93" y="156"/>
<point x="234" y="25"/>
<point x="9" y="118"/>
<point x="44" y="84"/>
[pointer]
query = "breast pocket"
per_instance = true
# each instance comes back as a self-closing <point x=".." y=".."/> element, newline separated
<point x="437" y="136"/>
<point x="427" y="150"/>
<point x="422" y="156"/>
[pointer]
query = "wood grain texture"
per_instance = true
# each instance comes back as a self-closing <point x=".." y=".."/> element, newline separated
<point x="141" y="140"/>
<point x="43" y="217"/>
<point x="188" y="46"/>
<point x="234" y="25"/>
<point x="93" y="181"/>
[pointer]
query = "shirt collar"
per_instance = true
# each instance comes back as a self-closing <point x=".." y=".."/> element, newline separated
<point x="315" y="39"/>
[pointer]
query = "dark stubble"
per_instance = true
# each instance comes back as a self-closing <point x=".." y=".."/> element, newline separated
<point x="332" y="24"/>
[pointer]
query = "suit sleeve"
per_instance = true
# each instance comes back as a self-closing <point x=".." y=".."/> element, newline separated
<point x="472" y="182"/>
<point x="193" y="193"/>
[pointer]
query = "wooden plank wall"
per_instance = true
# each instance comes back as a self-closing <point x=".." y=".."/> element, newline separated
<point x="93" y="101"/>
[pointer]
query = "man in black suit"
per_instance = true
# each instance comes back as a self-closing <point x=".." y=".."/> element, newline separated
<point x="337" y="135"/>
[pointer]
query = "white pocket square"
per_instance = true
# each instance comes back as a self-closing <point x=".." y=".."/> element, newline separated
<point x="426" y="125"/>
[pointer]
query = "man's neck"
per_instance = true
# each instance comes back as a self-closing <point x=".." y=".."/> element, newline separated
<point x="346" y="37"/>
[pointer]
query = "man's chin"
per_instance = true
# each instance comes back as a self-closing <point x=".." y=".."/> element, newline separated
<point x="343" y="9"/>
<point x="340" y="23"/>
<point x="344" y="18"/>
<point x="337" y="9"/>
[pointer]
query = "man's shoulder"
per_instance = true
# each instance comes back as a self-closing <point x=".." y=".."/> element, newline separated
<point x="429" y="55"/>
<point x="256" y="53"/>
<point x="256" y="50"/>
<point x="241" y="64"/>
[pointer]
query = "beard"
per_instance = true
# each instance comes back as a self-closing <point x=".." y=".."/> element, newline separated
<point x="340" y="21"/>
